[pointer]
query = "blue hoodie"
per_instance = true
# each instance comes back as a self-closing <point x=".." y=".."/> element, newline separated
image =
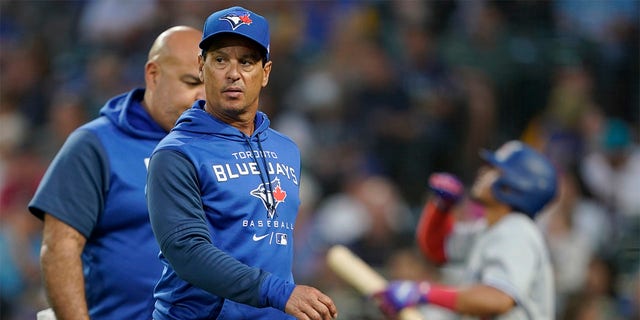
<point x="223" y="207"/>
<point x="95" y="184"/>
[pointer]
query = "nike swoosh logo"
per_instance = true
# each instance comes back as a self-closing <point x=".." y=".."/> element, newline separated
<point x="258" y="238"/>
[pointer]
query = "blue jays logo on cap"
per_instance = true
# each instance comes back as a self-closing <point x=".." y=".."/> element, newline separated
<point x="236" y="20"/>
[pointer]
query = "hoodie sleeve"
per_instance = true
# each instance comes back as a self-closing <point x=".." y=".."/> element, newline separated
<point x="180" y="227"/>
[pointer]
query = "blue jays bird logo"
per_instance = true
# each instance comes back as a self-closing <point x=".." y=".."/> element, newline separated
<point x="271" y="195"/>
<point x="237" y="20"/>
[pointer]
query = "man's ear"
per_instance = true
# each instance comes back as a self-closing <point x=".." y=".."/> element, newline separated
<point x="200" y="66"/>
<point x="267" y="72"/>
<point x="150" y="74"/>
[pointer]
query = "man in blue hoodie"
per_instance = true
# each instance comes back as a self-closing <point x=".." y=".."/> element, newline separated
<point x="99" y="257"/>
<point x="223" y="192"/>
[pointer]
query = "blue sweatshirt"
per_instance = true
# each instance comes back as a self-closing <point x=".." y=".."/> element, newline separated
<point x="223" y="207"/>
<point x="95" y="184"/>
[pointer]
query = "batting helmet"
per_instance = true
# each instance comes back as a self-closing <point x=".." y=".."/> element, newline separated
<point x="527" y="180"/>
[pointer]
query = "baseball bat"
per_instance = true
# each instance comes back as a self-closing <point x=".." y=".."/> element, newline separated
<point x="46" y="314"/>
<point x="353" y="270"/>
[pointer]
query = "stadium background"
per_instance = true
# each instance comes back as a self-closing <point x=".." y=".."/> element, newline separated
<point x="378" y="95"/>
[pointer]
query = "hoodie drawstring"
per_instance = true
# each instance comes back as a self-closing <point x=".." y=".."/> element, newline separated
<point x="268" y="194"/>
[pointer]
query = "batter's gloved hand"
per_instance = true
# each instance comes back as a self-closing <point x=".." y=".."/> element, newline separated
<point x="401" y="294"/>
<point x="447" y="188"/>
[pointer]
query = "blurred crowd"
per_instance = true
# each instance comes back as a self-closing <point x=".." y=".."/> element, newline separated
<point x="378" y="95"/>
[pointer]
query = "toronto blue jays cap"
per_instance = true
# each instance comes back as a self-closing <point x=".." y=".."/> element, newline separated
<point x="236" y="20"/>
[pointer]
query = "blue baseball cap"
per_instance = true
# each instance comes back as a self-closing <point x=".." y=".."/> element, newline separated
<point x="237" y="20"/>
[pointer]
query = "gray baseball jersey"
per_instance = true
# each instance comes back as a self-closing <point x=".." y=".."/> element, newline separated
<point x="511" y="256"/>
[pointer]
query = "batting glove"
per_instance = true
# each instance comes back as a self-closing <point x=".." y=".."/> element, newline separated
<point x="401" y="294"/>
<point x="447" y="188"/>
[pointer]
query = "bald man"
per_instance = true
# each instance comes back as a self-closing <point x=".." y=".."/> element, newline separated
<point x="99" y="257"/>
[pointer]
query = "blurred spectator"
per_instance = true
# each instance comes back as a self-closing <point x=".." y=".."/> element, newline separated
<point x="384" y="102"/>
<point x="21" y="79"/>
<point x="478" y="39"/>
<point x="308" y="248"/>
<point x="103" y="79"/>
<point x="113" y="22"/>
<point x="67" y="112"/>
<point x="567" y="126"/>
<point x="13" y="129"/>
<point x="608" y="32"/>
<point x="576" y="229"/>
<point x="597" y="299"/>
<point x="435" y="111"/>
<point x="611" y="173"/>
<point x="21" y="292"/>
<point x="369" y="216"/>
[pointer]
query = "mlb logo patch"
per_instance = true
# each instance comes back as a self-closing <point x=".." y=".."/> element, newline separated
<point x="281" y="239"/>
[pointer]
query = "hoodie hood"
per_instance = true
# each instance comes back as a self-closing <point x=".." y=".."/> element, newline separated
<point x="127" y="113"/>
<point x="197" y="120"/>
